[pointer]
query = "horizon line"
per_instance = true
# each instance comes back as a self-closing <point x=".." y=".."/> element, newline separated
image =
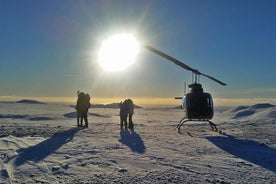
<point x="143" y="101"/>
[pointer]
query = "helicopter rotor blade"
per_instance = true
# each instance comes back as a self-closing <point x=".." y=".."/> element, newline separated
<point x="179" y="63"/>
<point x="214" y="79"/>
<point x="175" y="61"/>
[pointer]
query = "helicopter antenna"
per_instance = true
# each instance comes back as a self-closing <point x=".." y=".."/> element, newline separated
<point x="179" y="63"/>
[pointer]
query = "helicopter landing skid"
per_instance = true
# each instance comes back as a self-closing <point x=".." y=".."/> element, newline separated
<point x="184" y="120"/>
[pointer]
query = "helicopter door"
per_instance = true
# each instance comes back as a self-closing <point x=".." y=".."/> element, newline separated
<point x="210" y="106"/>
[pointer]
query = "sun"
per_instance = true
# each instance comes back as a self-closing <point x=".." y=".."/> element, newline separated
<point x="118" y="52"/>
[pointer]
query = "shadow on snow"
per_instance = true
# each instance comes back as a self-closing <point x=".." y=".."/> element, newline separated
<point x="251" y="151"/>
<point x="45" y="148"/>
<point x="13" y="116"/>
<point x="74" y="115"/>
<point x="133" y="141"/>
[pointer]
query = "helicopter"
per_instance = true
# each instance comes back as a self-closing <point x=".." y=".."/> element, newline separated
<point x="197" y="104"/>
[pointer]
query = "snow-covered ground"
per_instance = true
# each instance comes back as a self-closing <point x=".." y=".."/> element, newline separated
<point x="40" y="143"/>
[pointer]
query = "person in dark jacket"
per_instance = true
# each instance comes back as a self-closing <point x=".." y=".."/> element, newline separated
<point x="123" y="114"/>
<point x="130" y="106"/>
<point x="87" y="106"/>
<point x="82" y="107"/>
<point x="79" y="108"/>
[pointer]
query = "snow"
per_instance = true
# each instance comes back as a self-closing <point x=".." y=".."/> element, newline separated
<point x="40" y="143"/>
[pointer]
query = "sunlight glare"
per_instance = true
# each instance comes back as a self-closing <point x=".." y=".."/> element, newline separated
<point x="118" y="52"/>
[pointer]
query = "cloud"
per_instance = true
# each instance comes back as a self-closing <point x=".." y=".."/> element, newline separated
<point x="264" y="92"/>
<point x="146" y="101"/>
<point x="242" y="101"/>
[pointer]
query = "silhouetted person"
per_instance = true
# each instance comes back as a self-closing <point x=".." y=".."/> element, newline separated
<point x="82" y="107"/>
<point x="123" y="114"/>
<point x="79" y="109"/>
<point x="130" y="106"/>
<point x="87" y="105"/>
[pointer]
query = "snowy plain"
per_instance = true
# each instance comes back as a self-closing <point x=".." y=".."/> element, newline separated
<point x="40" y="143"/>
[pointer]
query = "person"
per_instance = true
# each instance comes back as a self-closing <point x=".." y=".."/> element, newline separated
<point x="87" y="106"/>
<point x="123" y="114"/>
<point x="130" y="113"/>
<point x="82" y="107"/>
<point x="79" y="108"/>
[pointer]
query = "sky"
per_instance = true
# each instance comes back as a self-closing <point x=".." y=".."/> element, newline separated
<point x="48" y="49"/>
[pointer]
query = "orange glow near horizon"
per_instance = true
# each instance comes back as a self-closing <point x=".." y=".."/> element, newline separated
<point x="144" y="102"/>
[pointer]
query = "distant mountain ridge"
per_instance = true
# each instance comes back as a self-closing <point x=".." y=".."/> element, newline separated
<point x="26" y="101"/>
<point x="265" y="110"/>
<point x="111" y="105"/>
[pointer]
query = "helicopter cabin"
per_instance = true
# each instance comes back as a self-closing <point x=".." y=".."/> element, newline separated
<point x="197" y="104"/>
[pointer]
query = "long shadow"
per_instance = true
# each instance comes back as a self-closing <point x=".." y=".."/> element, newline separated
<point x="13" y="116"/>
<point x="251" y="151"/>
<point x="74" y="115"/>
<point x="45" y="148"/>
<point x="133" y="141"/>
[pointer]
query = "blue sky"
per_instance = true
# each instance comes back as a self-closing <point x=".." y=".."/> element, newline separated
<point x="48" y="48"/>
